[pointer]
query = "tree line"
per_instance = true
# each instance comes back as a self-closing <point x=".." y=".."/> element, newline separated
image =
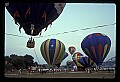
<point x="15" y="62"/>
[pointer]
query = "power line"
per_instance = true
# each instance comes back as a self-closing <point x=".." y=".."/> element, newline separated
<point x="15" y="35"/>
<point x="99" y="26"/>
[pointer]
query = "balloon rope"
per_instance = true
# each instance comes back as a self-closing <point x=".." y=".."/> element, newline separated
<point x="36" y="56"/>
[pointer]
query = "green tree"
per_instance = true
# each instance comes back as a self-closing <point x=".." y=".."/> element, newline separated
<point x="18" y="62"/>
<point x="35" y="64"/>
<point x="9" y="67"/>
<point x="28" y="61"/>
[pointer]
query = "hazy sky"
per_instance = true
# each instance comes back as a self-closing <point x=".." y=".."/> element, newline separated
<point x="75" y="16"/>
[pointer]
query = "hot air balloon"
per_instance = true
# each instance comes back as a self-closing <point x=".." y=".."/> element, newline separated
<point x="71" y="49"/>
<point x="34" y="17"/>
<point x="65" y="55"/>
<point x="76" y="56"/>
<point x="96" y="46"/>
<point x="52" y="51"/>
<point x="86" y="62"/>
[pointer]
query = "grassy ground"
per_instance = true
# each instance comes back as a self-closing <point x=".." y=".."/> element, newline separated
<point x="80" y="74"/>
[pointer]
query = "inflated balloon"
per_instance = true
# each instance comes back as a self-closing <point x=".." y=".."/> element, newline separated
<point x="71" y="49"/>
<point x="52" y="51"/>
<point x="76" y="56"/>
<point x="86" y="62"/>
<point x="96" y="46"/>
<point x="34" y="17"/>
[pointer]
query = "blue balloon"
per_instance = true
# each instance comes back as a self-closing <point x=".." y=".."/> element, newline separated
<point x="86" y="62"/>
<point x="96" y="46"/>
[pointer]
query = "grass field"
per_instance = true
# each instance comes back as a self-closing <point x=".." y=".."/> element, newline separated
<point x="81" y="74"/>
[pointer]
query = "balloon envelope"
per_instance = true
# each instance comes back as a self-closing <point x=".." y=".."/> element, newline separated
<point x="76" y="56"/>
<point x="96" y="46"/>
<point x="34" y="16"/>
<point x="52" y="51"/>
<point x="86" y="62"/>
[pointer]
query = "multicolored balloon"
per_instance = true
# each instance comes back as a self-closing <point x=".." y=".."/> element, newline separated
<point x="76" y="56"/>
<point x="52" y="51"/>
<point x="71" y="49"/>
<point x="34" y="17"/>
<point x="96" y="46"/>
<point x="86" y="62"/>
